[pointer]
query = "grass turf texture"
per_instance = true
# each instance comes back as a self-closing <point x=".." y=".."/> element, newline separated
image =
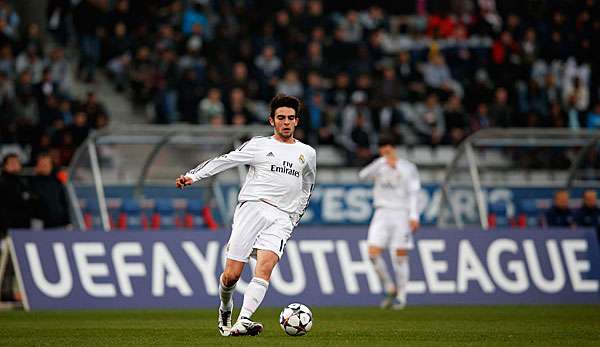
<point x="423" y="326"/>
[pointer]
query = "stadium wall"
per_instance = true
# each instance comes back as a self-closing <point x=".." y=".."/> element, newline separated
<point x="322" y="266"/>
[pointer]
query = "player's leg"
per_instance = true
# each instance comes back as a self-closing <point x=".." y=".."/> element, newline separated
<point x="377" y="240"/>
<point x="402" y="272"/>
<point x="246" y="225"/>
<point x="227" y="282"/>
<point x="401" y="243"/>
<point x="381" y="269"/>
<point x="255" y="293"/>
<point x="269" y="245"/>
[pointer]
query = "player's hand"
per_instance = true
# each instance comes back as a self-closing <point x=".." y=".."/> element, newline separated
<point x="391" y="161"/>
<point x="414" y="225"/>
<point x="183" y="181"/>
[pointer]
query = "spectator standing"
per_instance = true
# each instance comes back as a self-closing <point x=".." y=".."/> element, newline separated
<point x="430" y="122"/>
<point x="51" y="200"/>
<point x="16" y="204"/>
<point x="588" y="214"/>
<point x="560" y="215"/>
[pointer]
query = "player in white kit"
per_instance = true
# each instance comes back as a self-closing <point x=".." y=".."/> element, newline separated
<point x="395" y="191"/>
<point x="272" y="200"/>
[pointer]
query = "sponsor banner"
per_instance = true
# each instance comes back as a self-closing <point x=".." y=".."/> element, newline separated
<point x="321" y="267"/>
<point x="332" y="204"/>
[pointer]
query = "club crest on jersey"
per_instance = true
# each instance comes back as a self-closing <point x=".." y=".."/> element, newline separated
<point x="301" y="158"/>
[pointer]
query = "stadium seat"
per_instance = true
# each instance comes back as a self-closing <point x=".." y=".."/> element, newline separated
<point x="193" y="214"/>
<point x="164" y="215"/>
<point x="497" y="215"/>
<point x="528" y="213"/>
<point x="91" y="215"/>
<point x="131" y="215"/>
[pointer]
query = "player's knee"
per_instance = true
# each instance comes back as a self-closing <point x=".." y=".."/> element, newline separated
<point x="263" y="272"/>
<point x="374" y="251"/>
<point x="229" y="278"/>
<point x="401" y="253"/>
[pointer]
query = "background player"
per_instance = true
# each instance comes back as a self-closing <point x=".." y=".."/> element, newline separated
<point x="272" y="200"/>
<point x="395" y="192"/>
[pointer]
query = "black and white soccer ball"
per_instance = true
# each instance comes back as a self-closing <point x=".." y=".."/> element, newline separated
<point x="296" y="319"/>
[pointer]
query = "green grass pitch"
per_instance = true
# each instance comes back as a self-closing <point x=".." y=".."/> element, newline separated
<point x="414" y="326"/>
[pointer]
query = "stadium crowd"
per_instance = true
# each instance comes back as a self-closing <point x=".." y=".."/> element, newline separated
<point x="38" y="112"/>
<point x="429" y="72"/>
<point x="432" y="75"/>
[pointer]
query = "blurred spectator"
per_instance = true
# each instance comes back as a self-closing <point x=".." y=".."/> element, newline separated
<point x="500" y="110"/>
<point x="362" y="140"/>
<point x="560" y="215"/>
<point x="457" y="121"/>
<point x="88" y="19"/>
<point x="481" y="118"/>
<point x="51" y="201"/>
<point x="58" y="14"/>
<point x="437" y="76"/>
<point x="588" y="214"/>
<point x="290" y="84"/>
<point x="593" y="117"/>
<point x="430" y="123"/>
<point x="211" y="106"/>
<point x="16" y="205"/>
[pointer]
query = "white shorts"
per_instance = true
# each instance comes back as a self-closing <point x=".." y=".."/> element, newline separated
<point x="258" y="225"/>
<point x="390" y="229"/>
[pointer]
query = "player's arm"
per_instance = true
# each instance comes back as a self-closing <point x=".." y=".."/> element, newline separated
<point x="414" y="187"/>
<point x="370" y="171"/>
<point x="241" y="156"/>
<point x="309" y="176"/>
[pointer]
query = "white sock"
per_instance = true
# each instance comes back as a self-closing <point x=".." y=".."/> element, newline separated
<point x="382" y="272"/>
<point x="254" y="295"/>
<point x="402" y="273"/>
<point x="225" y="294"/>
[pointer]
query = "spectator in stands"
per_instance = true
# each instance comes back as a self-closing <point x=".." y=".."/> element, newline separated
<point x="211" y="106"/>
<point x="500" y="110"/>
<point x="481" y="118"/>
<point x="290" y="84"/>
<point x="430" y="122"/>
<point x="457" y="121"/>
<point x="588" y="214"/>
<point x="593" y="117"/>
<point x="16" y="204"/>
<point x="51" y="200"/>
<point x="119" y="55"/>
<point x="560" y="214"/>
<point x="89" y="18"/>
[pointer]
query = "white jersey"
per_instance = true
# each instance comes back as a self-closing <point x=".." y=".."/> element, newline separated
<point x="280" y="174"/>
<point x="394" y="188"/>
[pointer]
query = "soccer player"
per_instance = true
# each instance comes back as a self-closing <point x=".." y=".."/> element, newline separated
<point x="396" y="217"/>
<point x="272" y="200"/>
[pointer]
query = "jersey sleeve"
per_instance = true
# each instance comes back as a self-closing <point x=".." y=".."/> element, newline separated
<point x="309" y="176"/>
<point x="414" y="187"/>
<point x="244" y="154"/>
<point x="370" y="171"/>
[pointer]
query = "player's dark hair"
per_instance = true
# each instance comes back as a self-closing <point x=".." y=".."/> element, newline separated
<point x="282" y="100"/>
<point x="386" y="140"/>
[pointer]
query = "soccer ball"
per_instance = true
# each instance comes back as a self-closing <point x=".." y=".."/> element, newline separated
<point x="296" y="319"/>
